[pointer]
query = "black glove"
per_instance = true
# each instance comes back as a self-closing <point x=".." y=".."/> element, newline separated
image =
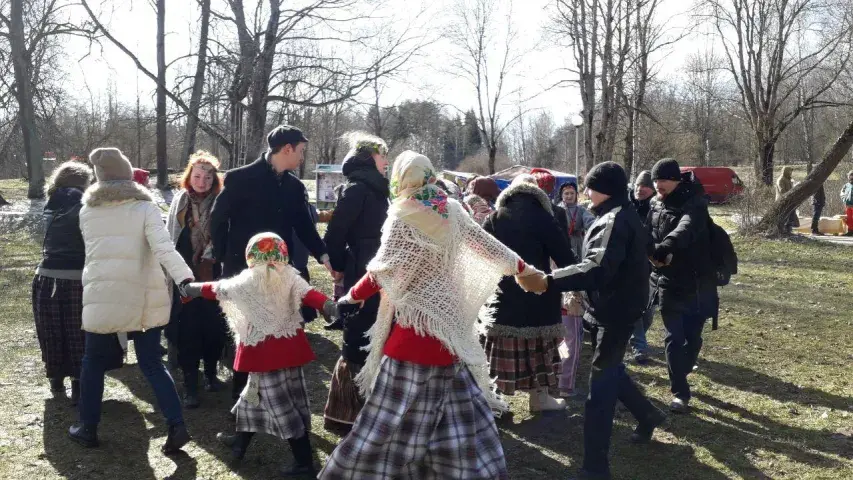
<point x="330" y="311"/>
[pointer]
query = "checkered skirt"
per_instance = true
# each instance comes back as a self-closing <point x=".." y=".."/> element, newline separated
<point x="58" y="312"/>
<point x="421" y="422"/>
<point x="283" y="409"/>
<point x="523" y="363"/>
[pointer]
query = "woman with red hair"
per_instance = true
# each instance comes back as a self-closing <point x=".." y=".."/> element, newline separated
<point x="198" y="328"/>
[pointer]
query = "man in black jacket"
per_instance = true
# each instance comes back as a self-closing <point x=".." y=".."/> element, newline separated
<point x="264" y="196"/>
<point x="683" y="273"/>
<point x="614" y="274"/>
<point x="641" y="197"/>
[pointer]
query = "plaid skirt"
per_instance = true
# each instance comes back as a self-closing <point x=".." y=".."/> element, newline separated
<point x="421" y="422"/>
<point x="523" y="363"/>
<point x="283" y="409"/>
<point x="344" y="401"/>
<point x="58" y="312"/>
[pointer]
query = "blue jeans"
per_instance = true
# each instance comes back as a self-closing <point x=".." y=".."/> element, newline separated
<point x="684" y="324"/>
<point x="608" y="383"/>
<point x="638" y="338"/>
<point x="99" y="350"/>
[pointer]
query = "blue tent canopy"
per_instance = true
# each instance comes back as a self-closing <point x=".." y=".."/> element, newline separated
<point x="505" y="177"/>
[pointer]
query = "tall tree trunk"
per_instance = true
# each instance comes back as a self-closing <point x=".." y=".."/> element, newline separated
<point x="24" y="93"/>
<point x="162" y="159"/>
<point x="198" y="84"/>
<point x="259" y="90"/>
<point x="629" y="139"/>
<point x="773" y="221"/>
<point x="766" y="151"/>
<point x="493" y="153"/>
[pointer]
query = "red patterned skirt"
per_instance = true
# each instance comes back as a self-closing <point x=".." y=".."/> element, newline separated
<point x="523" y="363"/>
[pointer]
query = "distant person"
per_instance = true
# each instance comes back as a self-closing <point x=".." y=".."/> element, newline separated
<point x="614" y="273"/>
<point x="784" y="184"/>
<point x="847" y="199"/>
<point x="264" y="196"/>
<point x="58" y="282"/>
<point x="481" y="193"/>
<point x="125" y="291"/>
<point x="683" y="273"/>
<point x="198" y="327"/>
<point x="577" y="219"/>
<point x="353" y="237"/>
<point x="525" y="329"/>
<point x="641" y="197"/>
<point x="818" y="202"/>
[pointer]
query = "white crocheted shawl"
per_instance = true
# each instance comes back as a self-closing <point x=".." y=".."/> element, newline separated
<point x="263" y="302"/>
<point x="437" y="286"/>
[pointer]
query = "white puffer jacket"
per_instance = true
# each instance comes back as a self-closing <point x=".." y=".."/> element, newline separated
<point x="124" y="288"/>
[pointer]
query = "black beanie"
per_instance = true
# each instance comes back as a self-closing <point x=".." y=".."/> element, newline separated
<point x="608" y="178"/>
<point x="666" y="169"/>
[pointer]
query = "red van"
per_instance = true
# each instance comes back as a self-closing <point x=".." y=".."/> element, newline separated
<point x="720" y="183"/>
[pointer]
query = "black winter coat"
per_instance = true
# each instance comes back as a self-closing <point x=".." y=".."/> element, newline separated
<point x="524" y="222"/>
<point x="63" y="247"/>
<point x="614" y="272"/>
<point x="642" y="206"/>
<point x="678" y="225"/>
<point x="253" y="200"/>
<point x="353" y="238"/>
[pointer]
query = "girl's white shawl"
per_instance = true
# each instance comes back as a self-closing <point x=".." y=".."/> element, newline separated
<point x="261" y="302"/>
<point x="437" y="287"/>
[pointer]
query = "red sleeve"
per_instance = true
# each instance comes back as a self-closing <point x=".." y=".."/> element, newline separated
<point x="314" y="299"/>
<point x="365" y="288"/>
<point x="207" y="291"/>
<point x="521" y="265"/>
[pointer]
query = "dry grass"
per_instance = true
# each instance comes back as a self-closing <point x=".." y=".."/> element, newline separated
<point x="774" y="393"/>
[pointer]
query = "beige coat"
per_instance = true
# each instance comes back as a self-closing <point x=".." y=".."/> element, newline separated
<point x="124" y="288"/>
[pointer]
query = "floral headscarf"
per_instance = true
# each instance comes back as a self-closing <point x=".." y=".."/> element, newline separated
<point x="266" y="249"/>
<point x="417" y="200"/>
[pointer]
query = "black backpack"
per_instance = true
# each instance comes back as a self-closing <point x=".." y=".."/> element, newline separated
<point x="723" y="255"/>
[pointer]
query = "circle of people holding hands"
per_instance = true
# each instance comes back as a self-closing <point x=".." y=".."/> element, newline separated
<point x="448" y="301"/>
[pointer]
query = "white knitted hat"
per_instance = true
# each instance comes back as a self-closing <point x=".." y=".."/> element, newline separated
<point x="110" y="164"/>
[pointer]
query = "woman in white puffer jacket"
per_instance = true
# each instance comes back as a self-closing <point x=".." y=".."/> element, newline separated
<point x="125" y="291"/>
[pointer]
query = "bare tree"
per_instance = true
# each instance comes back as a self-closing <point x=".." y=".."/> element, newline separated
<point x="487" y="60"/>
<point x="703" y="92"/>
<point x="198" y="83"/>
<point x="32" y="29"/>
<point x="599" y="33"/>
<point x="162" y="159"/>
<point x="759" y="38"/>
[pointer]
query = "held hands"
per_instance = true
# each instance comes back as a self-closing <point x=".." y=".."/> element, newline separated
<point x="348" y="300"/>
<point x="330" y="312"/>
<point x="532" y="280"/>
<point x="189" y="291"/>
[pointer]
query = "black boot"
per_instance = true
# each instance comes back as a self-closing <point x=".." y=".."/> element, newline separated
<point x="177" y="438"/>
<point x="57" y="387"/>
<point x="238" y="443"/>
<point x="211" y="383"/>
<point x="191" y="389"/>
<point x="645" y="429"/>
<point x="304" y="461"/>
<point x="75" y="391"/>
<point x="86" y="435"/>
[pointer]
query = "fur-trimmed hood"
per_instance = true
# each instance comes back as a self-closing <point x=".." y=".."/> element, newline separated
<point x="69" y="175"/>
<point x="115" y="192"/>
<point x="528" y="189"/>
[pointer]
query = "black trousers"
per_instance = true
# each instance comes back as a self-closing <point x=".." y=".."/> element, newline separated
<point x="609" y="383"/>
<point x="818" y="210"/>
<point x="201" y="335"/>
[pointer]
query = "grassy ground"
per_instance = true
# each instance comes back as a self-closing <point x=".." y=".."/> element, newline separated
<point x="773" y="394"/>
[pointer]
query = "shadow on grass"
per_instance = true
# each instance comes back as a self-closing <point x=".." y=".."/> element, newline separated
<point x="733" y="442"/>
<point x="120" y="455"/>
